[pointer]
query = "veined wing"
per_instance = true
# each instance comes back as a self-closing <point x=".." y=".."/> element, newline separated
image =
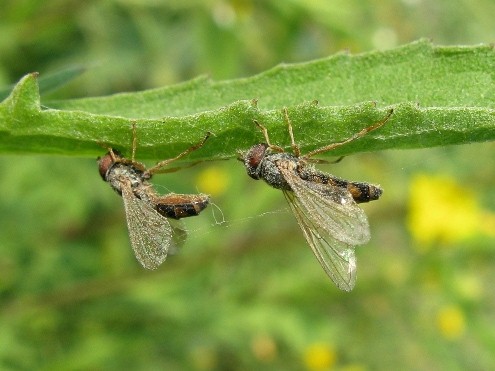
<point x="149" y="232"/>
<point x="179" y="235"/>
<point x="330" y="208"/>
<point x="336" y="257"/>
<point x="332" y="224"/>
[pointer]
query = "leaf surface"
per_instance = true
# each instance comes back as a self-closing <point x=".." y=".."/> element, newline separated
<point x="440" y="96"/>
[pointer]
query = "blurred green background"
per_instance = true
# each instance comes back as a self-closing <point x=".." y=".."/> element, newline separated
<point x="245" y="292"/>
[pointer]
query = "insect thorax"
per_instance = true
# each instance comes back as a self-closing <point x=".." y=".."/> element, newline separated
<point x="269" y="169"/>
<point x="121" y="173"/>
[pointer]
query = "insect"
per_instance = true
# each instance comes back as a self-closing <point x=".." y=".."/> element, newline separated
<point x="324" y="205"/>
<point x="147" y="212"/>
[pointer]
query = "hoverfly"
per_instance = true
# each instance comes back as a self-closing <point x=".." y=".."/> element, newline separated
<point x="147" y="212"/>
<point x="325" y="206"/>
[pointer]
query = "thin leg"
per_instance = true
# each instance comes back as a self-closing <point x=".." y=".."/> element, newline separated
<point x="362" y="133"/>
<point x="109" y="150"/>
<point x="112" y="154"/>
<point x="295" y="147"/>
<point x="338" y="160"/>
<point x="163" y="163"/>
<point x="321" y="161"/>
<point x="267" y="139"/>
<point x="134" y="142"/>
<point x="174" y="169"/>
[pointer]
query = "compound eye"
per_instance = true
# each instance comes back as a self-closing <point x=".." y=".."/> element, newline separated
<point x="107" y="161"/>
<point x="104" y="164"/>
<point x="253" y="159"/>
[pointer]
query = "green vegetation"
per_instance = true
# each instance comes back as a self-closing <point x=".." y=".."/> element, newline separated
<point x="245" y="292"/>
<point x="452" y="83"/>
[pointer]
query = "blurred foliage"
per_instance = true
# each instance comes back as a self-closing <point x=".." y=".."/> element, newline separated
<point x="245" y="292"/>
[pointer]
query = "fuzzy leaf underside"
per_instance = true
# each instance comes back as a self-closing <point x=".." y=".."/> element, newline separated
<point x="440" y="96"/>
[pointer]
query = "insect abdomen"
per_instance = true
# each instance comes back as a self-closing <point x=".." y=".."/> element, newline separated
<point x="360" y="192"/>
<point x="364" y="192"/>
<point x="181" y="206"/>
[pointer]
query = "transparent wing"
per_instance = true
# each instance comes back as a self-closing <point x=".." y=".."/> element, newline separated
<point x="332" y="224"/>
<point x="179" y="235"/>
<point x="149" y="232"/>
<point x="336" y="257"/>
<point x="330" y="208"/>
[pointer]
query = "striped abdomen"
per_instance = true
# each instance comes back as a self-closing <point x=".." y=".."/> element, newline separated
<point x="361" y="192"/>
<point x="177" y="206"/>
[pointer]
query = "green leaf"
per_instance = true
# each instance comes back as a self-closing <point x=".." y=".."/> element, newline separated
<point x="52" y="81"/>
<point x="440" y="96"/>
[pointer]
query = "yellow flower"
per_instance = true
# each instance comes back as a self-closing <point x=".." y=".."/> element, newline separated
<point x="440" y="210"/>
<point x="451" y="322"/>
<point x="488" y="224"/>
<point x="213" y="181"/>
<point x="320" y="356"/>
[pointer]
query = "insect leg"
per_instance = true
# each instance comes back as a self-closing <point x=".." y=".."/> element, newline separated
<point x="295" y="147"/>
<point x="134" y="142"/>
<point x="194" y="147"/>
<point x="362" y="133"/>
<point x="267" y="139"/>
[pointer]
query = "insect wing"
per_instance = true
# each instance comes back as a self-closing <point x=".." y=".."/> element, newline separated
<point x="179" y="235"/>
<point x="331" y="209"/>
<point x="336" y="257"/>
<point x="332" y="224"/>
<point x="149" y="232"/>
